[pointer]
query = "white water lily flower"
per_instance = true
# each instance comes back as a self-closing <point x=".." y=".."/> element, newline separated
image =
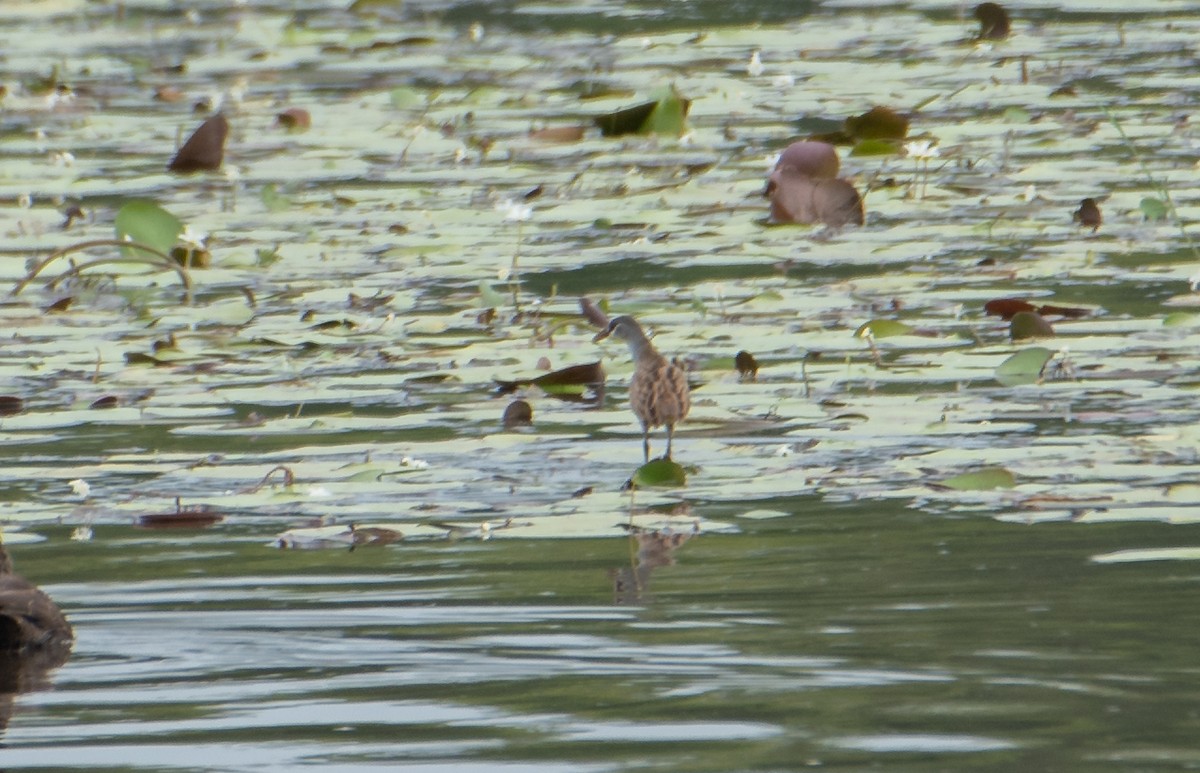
<point x="319" y="492"/>
<point x="475" y="32"/>
<point x="196" y="240"/>
<point x="82" y="534"/>
<point x="755" y="66"/>
<point x="80" y="488"/>
<point x="514" y="211"/>
<point x="416" y="464"/>
<point x="785" y="81"/>
<point x="922" y="150"/>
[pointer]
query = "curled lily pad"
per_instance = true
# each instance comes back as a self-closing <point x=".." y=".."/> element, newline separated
<point x="204" y="150"/>
<point x="660" y="472"/>
<point x="1024" y="367"/>
<point x="1029" y="324"/>
<point x="665" y="115"/>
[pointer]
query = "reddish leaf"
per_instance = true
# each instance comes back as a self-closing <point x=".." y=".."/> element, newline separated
<point x="10" y="405"/>
<point x="108" y="401"/>
<point x="294" y="118"/>
<point x="204" y="150"/>
<point x="194" y="517"/>
<point x="1005" y="308"/>
<point x="558" y="134"/>
<point x="1063" y="311"/>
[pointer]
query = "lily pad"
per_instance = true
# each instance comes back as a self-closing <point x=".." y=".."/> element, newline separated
<point x="660" y="473"/>
<point x="1024" y="367"/>
<point x="981" y="480"/>
<point x="145" y="222"/>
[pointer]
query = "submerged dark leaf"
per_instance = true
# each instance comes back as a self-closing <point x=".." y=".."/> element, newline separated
<point x="137" y="358"/>
<point x="204" y="150"/>
<point x="878" y="123"/>
<point x="108" y="401"/>
<point x="10" y="405"/>
<point x="62" y="304"/>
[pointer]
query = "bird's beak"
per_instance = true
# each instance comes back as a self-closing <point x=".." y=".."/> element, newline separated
<point x="602" y="335"/>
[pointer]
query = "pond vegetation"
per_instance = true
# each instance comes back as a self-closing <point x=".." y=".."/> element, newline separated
<point x="330" y="275"/>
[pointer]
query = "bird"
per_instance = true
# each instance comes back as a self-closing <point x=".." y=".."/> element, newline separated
<point x="30" y="622"/>
<point x="658" y="392"/>
<point x="804" y="188"/>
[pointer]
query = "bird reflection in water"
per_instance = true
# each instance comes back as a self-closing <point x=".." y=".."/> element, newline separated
<point x="650" y="549"/>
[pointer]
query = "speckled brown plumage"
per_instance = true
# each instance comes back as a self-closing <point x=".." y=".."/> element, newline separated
<point x="658" y="392"/>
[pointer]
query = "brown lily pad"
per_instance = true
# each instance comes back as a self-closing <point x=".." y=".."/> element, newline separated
<point x="1088" y="214"/>
<point x="518" y="413"/>
<point x="993" y="21"/>
<point x="1029" y="324"/>
<point x="747" y="366"/>
<point x="878" y="123"/>
<point x="567" y="383"/>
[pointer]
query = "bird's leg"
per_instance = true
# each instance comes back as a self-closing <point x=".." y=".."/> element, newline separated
<point x="645" y="443"/>
<point x="670" y="437"/>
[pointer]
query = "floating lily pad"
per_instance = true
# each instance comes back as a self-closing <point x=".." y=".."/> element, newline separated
<point x="981" y="480"/>
<point x="145" y="222"/>
<point x="660" y="473"/>
<point x="883" y="328"/>
<point x="1024" y="367"/>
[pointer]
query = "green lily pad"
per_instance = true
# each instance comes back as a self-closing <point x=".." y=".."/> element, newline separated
<point x="882" y="328"/>
<point x="981" y="480"/>
<point x="1024" y="367"/>
<point x="145" y="222"/>
<point x="660" y="472"/>
<point x="1153" y="209"/>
